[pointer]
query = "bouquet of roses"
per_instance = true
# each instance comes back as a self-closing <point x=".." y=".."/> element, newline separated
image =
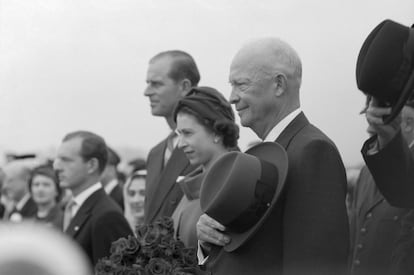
<point x="153" y="251"/>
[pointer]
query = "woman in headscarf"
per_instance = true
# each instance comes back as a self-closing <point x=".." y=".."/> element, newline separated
<point x="206" y="130"/>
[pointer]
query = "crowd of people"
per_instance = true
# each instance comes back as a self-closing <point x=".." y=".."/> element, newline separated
<point x="278" y="208"/>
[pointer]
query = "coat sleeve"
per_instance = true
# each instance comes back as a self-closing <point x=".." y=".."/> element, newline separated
<point x="393" y="171"/>
<point x="316" y="230"/>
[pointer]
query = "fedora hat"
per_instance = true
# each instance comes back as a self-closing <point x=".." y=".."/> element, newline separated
<point x="240" y="189"/>
<point x="385" y="65"/>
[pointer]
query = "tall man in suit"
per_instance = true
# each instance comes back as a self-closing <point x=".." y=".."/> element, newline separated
<point x="375" y="224"/>
<point x="170" y="76"/>
<point x="307" y="231"/>
<point x="389" y="155"/>
<point x="109" y="178"/>
<point x="16" y="189"/>
<point x="91" y="218"/>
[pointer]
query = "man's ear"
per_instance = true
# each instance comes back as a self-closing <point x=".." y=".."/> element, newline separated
<point x="93" y="165"/>
<point x="185" y="86"/>
<point x="280" y="82"/>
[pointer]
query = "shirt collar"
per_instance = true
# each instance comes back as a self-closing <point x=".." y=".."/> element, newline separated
<point x="110" y="186"/>
<point x="22" y="202"/>
<point x="278" y="129"/>
<point x="85" y="194"/>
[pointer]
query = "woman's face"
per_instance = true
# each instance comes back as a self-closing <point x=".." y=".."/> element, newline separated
<point x="195" y="140"/>
<point x="136" y="195"/>
<point x="43" y="189"/>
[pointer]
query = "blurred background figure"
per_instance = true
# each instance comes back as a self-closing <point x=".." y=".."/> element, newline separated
<point x="46" y="193"/>
<point x="134" y="194"/>
<point x="19" y="203"/>
<point x="109" y="178"/>
<point x="29" y="248"/>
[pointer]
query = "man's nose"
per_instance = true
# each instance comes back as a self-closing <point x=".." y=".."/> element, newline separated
<point x="148" y="91"/>
<point x="234" y="96"/>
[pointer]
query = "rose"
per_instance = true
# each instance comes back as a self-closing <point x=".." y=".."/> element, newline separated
<point x="189" y="257"/>
<point x="158" y="266"/>
<point x="119" y="245"/>
<point x="151" y="239"/>
<point x="104" y="266"/>
<point x="141" y="230"/>
<point x="116" y="258"/>
<point x="132" y="245"/>
<point x="165" y="225"/>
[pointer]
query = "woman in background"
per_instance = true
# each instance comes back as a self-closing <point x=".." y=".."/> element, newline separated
<point x="206" y="130"/>
<point x="134" y="195"/>
<point x="45" y="191"/>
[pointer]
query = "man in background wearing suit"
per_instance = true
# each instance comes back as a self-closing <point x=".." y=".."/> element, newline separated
<point x="109" y="178"/>
<point x="170" y="76"/>
<point x="307" y="230"/>
<point x="375" y="224"/>
<point x="16" y="189"/>
<point x="91" y="218"/>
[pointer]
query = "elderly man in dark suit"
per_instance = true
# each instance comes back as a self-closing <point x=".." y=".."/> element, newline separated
<point x="307" y="231"/>
<point x="91" y="218"/>
<point x="170" y="76"/>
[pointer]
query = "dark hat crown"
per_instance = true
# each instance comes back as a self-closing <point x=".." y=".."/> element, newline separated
<point x="385" y="64"/>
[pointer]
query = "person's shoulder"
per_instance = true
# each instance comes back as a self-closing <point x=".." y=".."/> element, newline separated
<point x="158" y="147"/>
<point x="105" y="204"/>
<point x="310" y="134"/>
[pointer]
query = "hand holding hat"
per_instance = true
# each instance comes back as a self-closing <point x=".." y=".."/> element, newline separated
<point x="374" y="115"/>
<point x="240" y="190"/>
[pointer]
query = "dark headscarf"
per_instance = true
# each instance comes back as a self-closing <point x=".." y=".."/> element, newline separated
<point x="208" y="103"/>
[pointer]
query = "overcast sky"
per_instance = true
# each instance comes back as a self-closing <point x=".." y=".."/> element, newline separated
<point x="81" y="64"/>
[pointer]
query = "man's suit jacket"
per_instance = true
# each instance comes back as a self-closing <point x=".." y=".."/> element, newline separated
<point x="393" y="170"/>
<point x="307" y="231"/>
<point x="162" y="194"/>
<point x="117" y="195"/>
<point x="98" y="223"/>
<point x="375" y="228"/>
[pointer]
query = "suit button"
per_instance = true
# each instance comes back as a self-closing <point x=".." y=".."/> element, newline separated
<point x="357" y="262"/>
<point x="363" y="230"/>
<point x="395" y="218"/>
<point x="360" y="246"/>
<point x="173" y="201"/>
<point x="369" y="215"/>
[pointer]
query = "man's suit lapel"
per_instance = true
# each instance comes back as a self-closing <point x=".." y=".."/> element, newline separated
<point x="155" y="166"/>
<point x="167" y="179"/>
<point x="292" y="129"/>
<point x="83" y="213"/>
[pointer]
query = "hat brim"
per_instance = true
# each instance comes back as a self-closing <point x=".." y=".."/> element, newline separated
<point x="275" y="154"/>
